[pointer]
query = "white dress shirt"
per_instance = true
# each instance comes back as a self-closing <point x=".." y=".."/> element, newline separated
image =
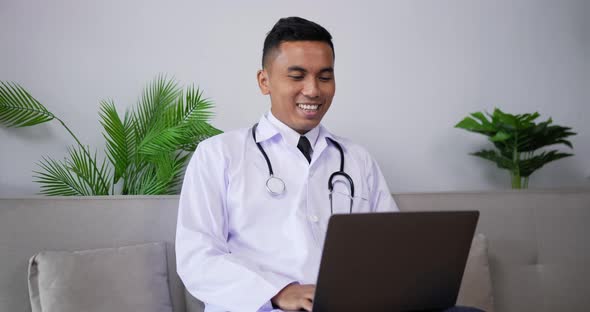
<point x="237" y="245"/>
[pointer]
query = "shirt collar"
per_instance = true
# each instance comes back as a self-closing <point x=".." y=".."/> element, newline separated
<point x="266" y="131"/>
<point x="291" y="136"/>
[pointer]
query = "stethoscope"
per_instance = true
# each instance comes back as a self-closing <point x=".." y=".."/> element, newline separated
<point x="276" y="186"/>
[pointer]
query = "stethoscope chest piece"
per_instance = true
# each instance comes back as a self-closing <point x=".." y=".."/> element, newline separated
<point x="275" y="186"/>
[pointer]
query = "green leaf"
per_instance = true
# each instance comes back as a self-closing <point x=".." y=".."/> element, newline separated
<point x="491" y="155"/>
<point x="57" y="180"/>
<point x="160" y="141"/>
<point x="169" y="170"/>
<point x="149" y="184"/>
<point x="168" y="174"/>
<point x="197" y="108"/>
<point x="470" y="124"/>
<point x="500" y="137"/>
<point x="198" y="132"/>
<point x="178" y="170"/>
<point x="543" y="135"/>
<point x="528" y="166"/>
<point x="77" y="176"/>
<point x="505" y="121"/>
<point x="119" y="136"/>
<point x="157" y="97"/>
<point x="131" y="183"/>
<point x="484" y="121"/>
<point x="183" y="125"/>
<point x="529" y="118"/>
<point x="85" y="167"/>
<point x="18" y="108"/>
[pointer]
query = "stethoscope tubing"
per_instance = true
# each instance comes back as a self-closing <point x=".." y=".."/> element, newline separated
<point x="330" y="180"/>
<point x="268" y="164"/>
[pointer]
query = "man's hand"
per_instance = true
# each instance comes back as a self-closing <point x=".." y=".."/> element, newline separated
<point x="295" y="297"/>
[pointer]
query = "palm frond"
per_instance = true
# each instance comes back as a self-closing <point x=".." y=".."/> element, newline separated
<point x="18" y="108"/>
<point x="119" y="136"/>
<point x="87" y="170"/>
<point x="189" y="107"/>
<point x="152" y="186"/>
<point x="180" y="162"/>
<point x="147" y="182"/>
<point x="191" y="115"/>
<point x="161" y="176"/>
<point x="165" y="172"/>
<point x="131" y="183"/>
<point x="57" y="180"/>
<point x="170" y="170"/>
<point x="143" y="179"/>
<point x="196" y="133"/>
<point x="173" y="114"/>
<point x="159" y="141"/>
<point x="157" y="97"/>
<point x="197" y="108"/>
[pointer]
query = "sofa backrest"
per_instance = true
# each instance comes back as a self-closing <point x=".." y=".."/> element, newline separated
<point x="28" y="226"/>
<point x="537" y="244"/>
<point x="537" y="240"/>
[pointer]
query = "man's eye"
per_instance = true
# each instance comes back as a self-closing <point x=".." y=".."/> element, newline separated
<point x="325" y="78"/>
<point x="296" y="77"/>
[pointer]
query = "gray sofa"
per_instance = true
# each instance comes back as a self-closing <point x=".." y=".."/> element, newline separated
<point x="537" y="240"/>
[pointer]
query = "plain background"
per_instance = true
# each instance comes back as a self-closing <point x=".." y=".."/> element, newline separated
<point x="406" y="72"/>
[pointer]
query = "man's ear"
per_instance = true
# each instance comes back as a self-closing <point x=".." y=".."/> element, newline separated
<point x="262" y="77"/>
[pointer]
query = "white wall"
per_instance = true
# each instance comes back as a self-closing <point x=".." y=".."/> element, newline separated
<point x="407" y="72"/>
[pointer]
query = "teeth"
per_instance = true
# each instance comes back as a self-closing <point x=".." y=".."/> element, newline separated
<point x="309" y="107"/>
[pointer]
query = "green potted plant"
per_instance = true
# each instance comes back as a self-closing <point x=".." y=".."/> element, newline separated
<point x="146" y="149"/>
<point x="517" y="139"/>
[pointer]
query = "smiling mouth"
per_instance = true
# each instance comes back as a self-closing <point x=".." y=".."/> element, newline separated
<point x="309" y="107"/>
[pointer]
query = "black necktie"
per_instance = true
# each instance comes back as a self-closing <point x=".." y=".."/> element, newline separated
<point x="305" y="147"/>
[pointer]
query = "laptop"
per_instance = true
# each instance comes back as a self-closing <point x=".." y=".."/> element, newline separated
<point x="402" y="261"/>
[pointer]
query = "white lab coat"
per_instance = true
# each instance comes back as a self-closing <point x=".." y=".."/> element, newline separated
<point x="237" y="245"/>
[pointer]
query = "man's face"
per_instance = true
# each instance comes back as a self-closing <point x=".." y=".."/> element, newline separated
<point x="299" y="77"/>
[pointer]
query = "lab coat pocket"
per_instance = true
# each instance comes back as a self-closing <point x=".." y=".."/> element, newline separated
<point x="343" y="203"/>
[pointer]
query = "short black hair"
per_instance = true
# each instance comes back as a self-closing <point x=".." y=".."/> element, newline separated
<point x="294" y="29"/>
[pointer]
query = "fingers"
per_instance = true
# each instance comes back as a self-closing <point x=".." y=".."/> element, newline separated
<point x="309" y="293"/>
<point x="294" y="297"/>
<point x="306" y="304"/>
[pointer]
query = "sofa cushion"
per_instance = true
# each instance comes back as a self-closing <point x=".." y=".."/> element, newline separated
<point x="476" y="286"/>
<point x="132" y="278"/>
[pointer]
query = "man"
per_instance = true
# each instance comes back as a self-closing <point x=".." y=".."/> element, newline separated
<point x="249" y="243"/>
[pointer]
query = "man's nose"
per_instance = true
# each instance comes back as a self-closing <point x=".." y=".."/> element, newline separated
<point x="311" y="88"/>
